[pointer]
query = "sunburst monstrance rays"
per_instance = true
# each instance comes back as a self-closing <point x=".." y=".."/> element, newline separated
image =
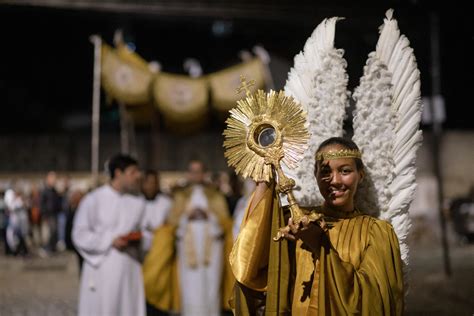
<point x="283" y="114"/>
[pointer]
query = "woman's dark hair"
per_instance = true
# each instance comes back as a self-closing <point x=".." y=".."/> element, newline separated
<point x="120" y="162"/>
<point x="344" y="142"/>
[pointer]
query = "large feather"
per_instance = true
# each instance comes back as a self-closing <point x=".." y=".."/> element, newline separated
<point x="318" y="81"/>
<point x="386" y="127"/>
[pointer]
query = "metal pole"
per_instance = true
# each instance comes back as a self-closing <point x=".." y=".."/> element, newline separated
<point x="437" y="134"/>
<point x="97" y="41"/>
<point x="124" y="129"/>
<point x="132" y="144"/>
<point x="154" y="152"/>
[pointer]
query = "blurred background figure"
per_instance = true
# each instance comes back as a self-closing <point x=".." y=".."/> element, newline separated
<point x="18" y="223"/>
<point x="247" y="189"/>
<point x="200" y="213"/>
<point x="50" y="206"/>
<point x="461" y="210"/>
<point x="158" y="206"/>
<point x="235" y="183"/>
<point x="35" y="216"/>
<point x="64" y="193"/>
<point x="3" y="223"/>
<point x="106" y="232"/>
<point x="74" y="200"/>
<point x="150" y="184"/>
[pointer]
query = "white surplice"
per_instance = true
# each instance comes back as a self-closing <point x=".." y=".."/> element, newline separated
<point x="157" y="211"/>
<point x="111" y="281"/>
<point x="200" y="285"/>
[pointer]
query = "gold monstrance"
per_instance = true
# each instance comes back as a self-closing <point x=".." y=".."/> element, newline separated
<point x="262" y="130"/>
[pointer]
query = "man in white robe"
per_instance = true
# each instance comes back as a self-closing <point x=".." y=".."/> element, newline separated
<point x="106" y="232"/>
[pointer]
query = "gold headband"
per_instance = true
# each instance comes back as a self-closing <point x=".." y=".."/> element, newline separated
<point x="338" y="154"/>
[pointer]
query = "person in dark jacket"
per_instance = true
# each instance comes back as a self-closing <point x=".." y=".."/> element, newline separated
<point x="50" y="206"/>
<point x="75" y="198"/>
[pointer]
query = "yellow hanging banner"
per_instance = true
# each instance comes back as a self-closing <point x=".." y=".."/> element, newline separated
<point x="224" y="83"/>
<point x="125" y="75"/>
<point x="180" y="98"/>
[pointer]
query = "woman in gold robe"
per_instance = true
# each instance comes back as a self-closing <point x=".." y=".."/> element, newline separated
<point x="348" y="264"/>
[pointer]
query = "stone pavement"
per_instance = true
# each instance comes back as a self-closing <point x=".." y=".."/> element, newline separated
<point x="431" y="292"/>
<point x="48" y="286"/>
<point x="37" y="286"/>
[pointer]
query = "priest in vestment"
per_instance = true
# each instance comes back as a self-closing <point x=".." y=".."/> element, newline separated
<point x="106" y="232"/>
<point x="188" y="270"/>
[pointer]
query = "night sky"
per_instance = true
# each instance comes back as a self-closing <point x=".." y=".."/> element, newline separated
<point x="46" y="58"/>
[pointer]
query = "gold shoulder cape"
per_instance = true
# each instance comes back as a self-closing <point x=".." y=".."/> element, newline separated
<point x="359" y="270"/>
<point x="160" y="270"/>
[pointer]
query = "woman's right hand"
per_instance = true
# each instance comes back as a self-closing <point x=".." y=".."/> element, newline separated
<point x="310" y="234"/>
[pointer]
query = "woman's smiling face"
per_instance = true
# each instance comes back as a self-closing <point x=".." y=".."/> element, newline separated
<point x="338" y="180"/>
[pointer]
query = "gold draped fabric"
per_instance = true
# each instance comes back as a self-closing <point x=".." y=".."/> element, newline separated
<point x="160" y="265"/>
<point x="359" y="270"/>
<point x="125" y="76"/>
<point x="131" y="57"/>
<point x="160" y="271"/>
<point x="224" y="83"/>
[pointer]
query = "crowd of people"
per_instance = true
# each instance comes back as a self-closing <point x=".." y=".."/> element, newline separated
<point x="38" y="222"/>
<point x="145" y="252"/>
<point x="149" y="253"/>
<point x="140" y="251"/>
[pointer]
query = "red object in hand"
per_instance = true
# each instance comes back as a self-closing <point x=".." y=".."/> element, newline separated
<point x="133" y="236"/>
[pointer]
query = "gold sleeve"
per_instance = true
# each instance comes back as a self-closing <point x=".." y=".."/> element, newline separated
<point x="373" y="288"/>
<point x="261" y="266"/>
<point x="249" y="255"/>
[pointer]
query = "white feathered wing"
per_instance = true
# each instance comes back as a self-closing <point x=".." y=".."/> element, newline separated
<point x="318" y="81"/>
<point x="386" y="128"/>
